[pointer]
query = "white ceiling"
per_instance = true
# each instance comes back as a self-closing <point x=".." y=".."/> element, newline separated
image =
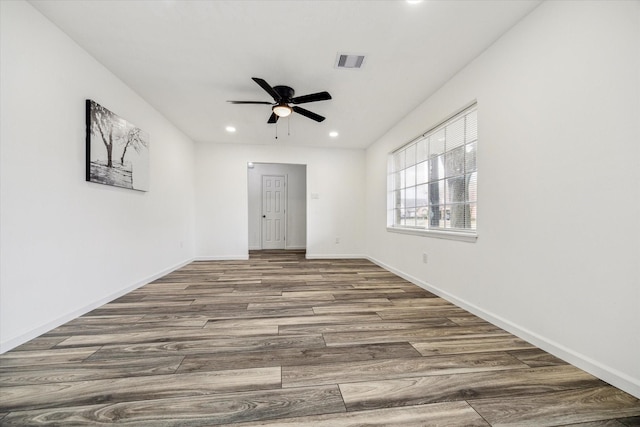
<point x="187" y="58"/>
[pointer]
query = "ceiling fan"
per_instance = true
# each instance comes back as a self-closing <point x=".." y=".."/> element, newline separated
<point x="283" y="97"/>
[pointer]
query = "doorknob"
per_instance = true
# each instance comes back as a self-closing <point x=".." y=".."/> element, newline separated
<point x="264" y="216"/>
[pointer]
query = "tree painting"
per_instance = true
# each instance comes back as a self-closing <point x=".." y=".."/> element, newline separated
<point x="104" y="123"/>
<point x="134" y="140"/>
<point x="106" y="133"/>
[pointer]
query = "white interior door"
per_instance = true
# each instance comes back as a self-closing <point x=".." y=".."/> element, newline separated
<point x="274" y="205"/>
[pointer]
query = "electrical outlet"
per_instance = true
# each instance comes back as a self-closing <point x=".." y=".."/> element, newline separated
<point x="424" y="257"/>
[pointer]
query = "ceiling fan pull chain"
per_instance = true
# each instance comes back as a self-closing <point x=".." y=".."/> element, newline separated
<point x="289" y="126"/>
<point x="276" y="130"/>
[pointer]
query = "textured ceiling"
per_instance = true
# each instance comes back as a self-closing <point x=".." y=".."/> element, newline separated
<point x="187" y="58"/>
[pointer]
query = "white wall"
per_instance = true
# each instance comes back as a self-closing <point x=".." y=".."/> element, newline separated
<point x="558" y="258"/>
<point x="335" y="175"/>
<point x="67" y="245"/>
<point x="296" y="205"/>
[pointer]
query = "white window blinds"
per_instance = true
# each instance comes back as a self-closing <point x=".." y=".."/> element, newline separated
<point x="433" y="180"/>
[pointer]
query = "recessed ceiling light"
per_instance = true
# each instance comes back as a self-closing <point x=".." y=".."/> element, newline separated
<point x="333" y="134"/>
<point x="230" y="129"/>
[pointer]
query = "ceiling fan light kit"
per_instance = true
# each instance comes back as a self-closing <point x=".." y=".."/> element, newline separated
<point x="282" y="110"/>
<point x="283" y="97"/>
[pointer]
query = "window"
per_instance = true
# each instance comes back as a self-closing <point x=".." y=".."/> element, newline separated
<point x="432" y="181"/>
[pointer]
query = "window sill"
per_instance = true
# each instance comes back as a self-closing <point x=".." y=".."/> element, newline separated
<point x="439" y="234"/>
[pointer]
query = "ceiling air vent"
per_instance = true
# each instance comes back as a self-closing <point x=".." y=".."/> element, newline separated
<point x="353" y="62"/>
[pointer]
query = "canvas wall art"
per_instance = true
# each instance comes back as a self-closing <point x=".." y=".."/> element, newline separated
<point x="117" y="151"/>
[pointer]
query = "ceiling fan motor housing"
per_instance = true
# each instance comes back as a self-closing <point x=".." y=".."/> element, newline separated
<point x="285" y="92"/>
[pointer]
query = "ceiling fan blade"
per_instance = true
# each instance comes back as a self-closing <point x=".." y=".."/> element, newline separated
<point x="320" y="96"/>
<point x="309" y="114"/>
<point x="264" y="85"/>
<point x="273" y="118"/>
<point x="251" y="102"/>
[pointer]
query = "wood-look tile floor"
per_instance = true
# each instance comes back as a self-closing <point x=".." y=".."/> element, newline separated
<point x="283" y="341"/>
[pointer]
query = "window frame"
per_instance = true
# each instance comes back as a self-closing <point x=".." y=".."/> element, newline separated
<point x="397" y="203"/>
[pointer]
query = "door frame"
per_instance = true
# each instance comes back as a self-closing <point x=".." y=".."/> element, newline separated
<point x="297" y="203"/>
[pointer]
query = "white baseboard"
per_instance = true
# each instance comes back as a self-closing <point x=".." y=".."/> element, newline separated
<point x="223" y="258"/>
<point x="335" y="256"/>
<point x="288" y="248"/>
<point x="34" y="333"/>
<point x="606" y="373"/>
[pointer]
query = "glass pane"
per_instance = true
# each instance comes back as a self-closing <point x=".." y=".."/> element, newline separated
<point x="436" y="193"/>
<point x="423" y="150"/>
<point x="455" y="134"/>
<point x="397" y="199"/>
<point x="472" y="187"/>
<point x="436" y="143"/>
<point x="408" y="217"/>
<point x="458" y="215"/>
<point x="472" y="126"/>
<point x="473" y="211"/>
<point x="401" y="179"/>
<point x="454" y="162"/>
<point x="422" y="172"/>
<point x="422" y="195"/>
<point x="410" y="158"/>
<point x="446" y="217"/>
<point x="397" y="180"/>
<point x="396" y="219"/>
<point x="402" y="198"/>
<point x="456" y="189"/>
<point x="436" y="216"/>
<point x="398" y="160"/>
<point x="471" y="153"/>
<point x="422" y="216"/>
<point x="436" y="168"/>
<point x="410" y="176"/>
<point x="410" y="197"/>
<point x="442" y="192"/>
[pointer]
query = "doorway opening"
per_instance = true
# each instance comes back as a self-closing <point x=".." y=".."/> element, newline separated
<point x="277" y="206"/>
